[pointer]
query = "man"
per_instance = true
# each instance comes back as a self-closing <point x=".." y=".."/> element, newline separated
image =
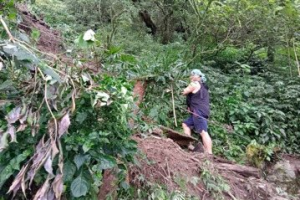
<point x="197" y="98"/>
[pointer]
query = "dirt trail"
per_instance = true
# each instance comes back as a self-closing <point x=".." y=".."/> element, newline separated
<point x="166" y="163"/>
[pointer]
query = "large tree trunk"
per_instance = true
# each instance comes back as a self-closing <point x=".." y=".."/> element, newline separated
<point x="148" y="21"/>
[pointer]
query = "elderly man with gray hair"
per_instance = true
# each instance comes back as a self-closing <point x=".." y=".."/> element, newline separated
<point x="197" y="99"/>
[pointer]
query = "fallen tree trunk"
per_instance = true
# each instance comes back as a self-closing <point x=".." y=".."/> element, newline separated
<point x="245" y="171"/>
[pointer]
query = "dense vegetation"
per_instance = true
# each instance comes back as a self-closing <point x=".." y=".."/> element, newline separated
<point x="75" y="122"/>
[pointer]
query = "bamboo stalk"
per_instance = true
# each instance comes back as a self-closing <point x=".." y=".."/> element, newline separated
<point x="11" y="38"/>
<point x="173" y="103"/>
<point x="296" y="57"/>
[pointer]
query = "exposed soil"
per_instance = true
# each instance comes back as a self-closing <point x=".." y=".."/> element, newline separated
<point x="50" y="40"/>
<point x="139" y="92"/>
<point x="164" y="162"/>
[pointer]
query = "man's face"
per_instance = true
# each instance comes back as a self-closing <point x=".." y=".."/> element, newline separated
<point x="194" y="78"/>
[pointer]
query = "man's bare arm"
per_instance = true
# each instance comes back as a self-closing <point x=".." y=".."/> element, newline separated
<point x="191" y="88"/>
<point x="188" y="89"/>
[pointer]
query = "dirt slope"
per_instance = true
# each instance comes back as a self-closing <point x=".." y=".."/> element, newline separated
<point x="50" y="40"/>
<point x="164" y="162"/>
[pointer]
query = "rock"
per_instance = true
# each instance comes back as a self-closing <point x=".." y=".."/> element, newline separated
<point x="157" y="131"/>
<point x="283" y="175"/>
<point x="282" y="172"/>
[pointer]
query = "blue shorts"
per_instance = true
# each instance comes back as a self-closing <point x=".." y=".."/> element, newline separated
<point x="197" y="123"/>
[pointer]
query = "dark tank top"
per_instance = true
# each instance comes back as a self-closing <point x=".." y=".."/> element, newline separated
<point x="199" y="101"/>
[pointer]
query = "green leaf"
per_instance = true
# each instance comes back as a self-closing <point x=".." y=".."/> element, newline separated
<point x="24" y="37"/>
<point x="104" y="134"/>
<point x="8" y="84"/>
<point x="20" y="53"/>
<point x="5" y="174"/>
<point x="86" y="147"/>
<point x="107" y="162"/>
<point x="69" y="171"/>
<point x="79" y="160"/>
<point x="80" y="117"/>
<point x="50" y="72"/>
<point x="113" y="50"/>
<point x="128" y="58"/>
<point x="35" y="34"/>
<point x="80" y="42"/>
<point x="14" y="164"/>
<point x="79" y="187"/>
<point x="10" y="49"/>
<point x="125" y="185"/>
<point x="12" y="15"/>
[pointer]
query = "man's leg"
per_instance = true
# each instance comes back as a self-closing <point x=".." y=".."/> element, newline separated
<point x="207" y="142"/>
<point x="186" y="129"/>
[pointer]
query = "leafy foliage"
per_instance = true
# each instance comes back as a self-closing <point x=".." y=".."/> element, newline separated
<point x="154" y="192"/>
<point x="53" y="136"/>
<point x="258" y="154"/>
<point x="214" y="183"/>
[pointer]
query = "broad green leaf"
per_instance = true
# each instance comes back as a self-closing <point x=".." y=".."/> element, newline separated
<point x="50" y="72"/>
<point x="24" y="37"/>
<point x="14" y="164"/>
<point x="79" y="160"/>
<point x="102" y="96"/>
<point x="86" y="147"/>
<point x="79" y="187"/>
<point x="5" y="174"/>
<point x="8" y="84"/>
<point x="69" y="171"/>
<point x="104" y="134"/>
<point x="107" y="162"/>
<point x="80" y="117"/>
<point x="124" y="185"/>
<point x="20" y="53"/>
<point x="10" y="49"/>
<point x="80" y="42"/>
